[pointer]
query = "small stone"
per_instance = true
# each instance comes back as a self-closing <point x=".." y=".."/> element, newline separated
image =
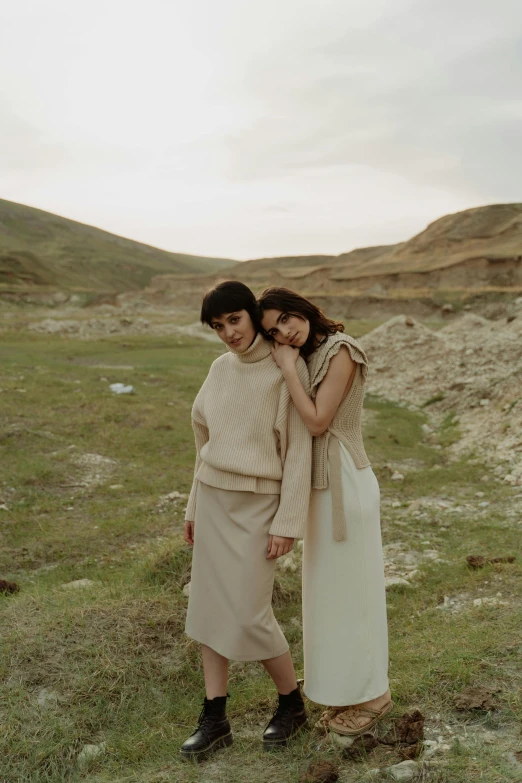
<point x="395" y="581"/>
<point x="300" y="544"/>
<point x="430" y="748"/>
<point x="78" y="584"/>
<point x="406" y="770"/>
<point x="396" y="504"/>
<point x="479" y="494"/>
<point x="484" y="504"/>
<point x="341" y="741"/>
<point x="427" y="430"/>
<point x="484" y="402"/>
<point x="396" y="476"/>
<point x="46" y="697"/>
<point x="186" y="590"/>
<point x="116" y="486"/>
<point x="90" y="752"/>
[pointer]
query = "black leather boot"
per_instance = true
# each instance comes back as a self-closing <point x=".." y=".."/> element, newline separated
<point x="288" y="718"/>
<point x="213" y="731"/>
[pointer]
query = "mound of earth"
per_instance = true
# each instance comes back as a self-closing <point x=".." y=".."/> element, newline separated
<point x="470" y="369"/>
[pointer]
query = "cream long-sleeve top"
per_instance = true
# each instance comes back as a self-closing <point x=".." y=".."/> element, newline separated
<point x="249" y="436"/>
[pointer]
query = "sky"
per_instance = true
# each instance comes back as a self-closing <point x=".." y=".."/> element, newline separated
<point x="240" y="129"/>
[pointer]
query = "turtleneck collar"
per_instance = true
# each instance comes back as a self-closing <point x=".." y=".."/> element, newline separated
<point x="259" y="349"/>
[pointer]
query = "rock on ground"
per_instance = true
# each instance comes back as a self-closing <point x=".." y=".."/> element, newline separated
<point x="406" y="770"/>
<point x="90" y="752"/>
<point x="78" y="584"/>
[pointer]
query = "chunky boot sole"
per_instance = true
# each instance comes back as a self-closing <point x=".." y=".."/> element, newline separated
<point x="201" y="755"/>
<point x="269" y="744"/>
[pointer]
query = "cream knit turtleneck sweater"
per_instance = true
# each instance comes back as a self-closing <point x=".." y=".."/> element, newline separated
<point x="249" y="436"/>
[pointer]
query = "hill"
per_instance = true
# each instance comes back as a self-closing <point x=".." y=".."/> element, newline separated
<point x="480" y="246"/>
<point x="38" y="248"/>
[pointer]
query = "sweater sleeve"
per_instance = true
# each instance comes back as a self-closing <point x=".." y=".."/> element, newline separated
<point x="200" y="437"/>
<point x="291" y="516"/>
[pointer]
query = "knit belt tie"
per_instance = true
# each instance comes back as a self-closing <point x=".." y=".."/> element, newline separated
<point x="336" y="488"/>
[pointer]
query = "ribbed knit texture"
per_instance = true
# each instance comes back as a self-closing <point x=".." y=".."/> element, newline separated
<point x="345" y="426"/>
<point x="249" y="436"/>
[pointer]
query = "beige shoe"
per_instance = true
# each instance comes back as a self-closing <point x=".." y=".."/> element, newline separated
<point x="351" y="727"/>
<point x="327" y="716"/>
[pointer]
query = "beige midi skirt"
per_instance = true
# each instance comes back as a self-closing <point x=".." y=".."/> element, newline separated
<point x="230" y="601"/>
<point x="345" y="630"/>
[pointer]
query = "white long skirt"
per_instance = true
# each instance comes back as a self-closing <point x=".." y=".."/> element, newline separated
<point x="344" y="600"/>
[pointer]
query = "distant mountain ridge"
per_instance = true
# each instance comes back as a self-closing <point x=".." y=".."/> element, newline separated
<point x="38" y="248"/>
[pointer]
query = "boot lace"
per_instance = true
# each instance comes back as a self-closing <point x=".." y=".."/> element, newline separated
<point x="284" y="715"/>
<point x="206" y="717"/>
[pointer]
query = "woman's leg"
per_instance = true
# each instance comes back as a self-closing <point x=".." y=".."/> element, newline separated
<point x="281" y="670"/>
<point x="215" y="670"/>
<point x="290" y="715"/>
<point x="213" y="730"/>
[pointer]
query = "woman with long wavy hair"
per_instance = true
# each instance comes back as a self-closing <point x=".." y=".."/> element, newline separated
<point x="344" y="602"/>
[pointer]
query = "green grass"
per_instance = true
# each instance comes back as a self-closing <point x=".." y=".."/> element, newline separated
<point x="110" y="663"/>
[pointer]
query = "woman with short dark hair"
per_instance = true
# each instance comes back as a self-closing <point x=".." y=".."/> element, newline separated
<point x="344" y="604"/>
<point x="248" y="503"/>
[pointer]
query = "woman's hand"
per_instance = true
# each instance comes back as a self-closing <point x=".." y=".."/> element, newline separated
<point x="285" y="356"/>
<point x="188" y="532"/>
<point x="279" y="546"/>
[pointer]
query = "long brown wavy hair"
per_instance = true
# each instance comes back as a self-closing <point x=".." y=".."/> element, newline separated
<point x="288" y="301"/>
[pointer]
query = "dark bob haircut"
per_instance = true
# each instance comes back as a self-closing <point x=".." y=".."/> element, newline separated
<point x="289" y="302"/>
<point x="229" y="296"/>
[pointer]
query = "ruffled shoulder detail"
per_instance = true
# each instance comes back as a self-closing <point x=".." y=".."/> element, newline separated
<point x="320" y="359"/>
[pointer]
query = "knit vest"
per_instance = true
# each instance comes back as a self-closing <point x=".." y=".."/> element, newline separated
<point x="345" y="426"/>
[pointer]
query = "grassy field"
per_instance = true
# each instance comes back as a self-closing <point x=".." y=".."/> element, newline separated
<point x="85" y="475"/>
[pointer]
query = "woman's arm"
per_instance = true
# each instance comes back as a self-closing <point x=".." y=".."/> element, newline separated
<point x="317" y="414"/>
<point x="296" y="455"/>
<point x="200" y="437"/>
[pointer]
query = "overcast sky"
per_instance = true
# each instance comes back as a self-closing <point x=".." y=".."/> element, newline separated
<point x="243" y="129"/>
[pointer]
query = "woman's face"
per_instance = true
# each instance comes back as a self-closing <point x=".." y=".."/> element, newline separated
<point x="235" y="329"/>
<point x="286" y="328"/>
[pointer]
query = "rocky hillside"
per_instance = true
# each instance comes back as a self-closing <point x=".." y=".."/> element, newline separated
<point x="465" y="375"/>
<point x="477" y="248"/>
<point x="39" y="249"/>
